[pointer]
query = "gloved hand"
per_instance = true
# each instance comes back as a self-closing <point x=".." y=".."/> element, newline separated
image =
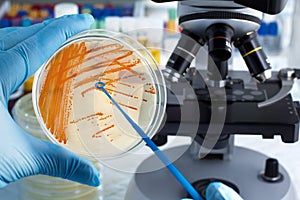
<point x="220" y="191"/>
<point x="22" y="52"/>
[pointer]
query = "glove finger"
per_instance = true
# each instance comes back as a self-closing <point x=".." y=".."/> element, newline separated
<point x="57" y="161"/>
<point x="4" y="31"/>
<point x="11" y="36"/>
<point x="220" y="191"/>
<point x="26" y="57"/>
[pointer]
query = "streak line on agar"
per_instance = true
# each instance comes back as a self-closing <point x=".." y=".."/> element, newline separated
<point x="103" y="130"/>
<point x="87" y="117"/>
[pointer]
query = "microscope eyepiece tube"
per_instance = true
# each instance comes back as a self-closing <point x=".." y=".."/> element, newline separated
<point x="184" y="53"/>
<point x="254" y="56"/>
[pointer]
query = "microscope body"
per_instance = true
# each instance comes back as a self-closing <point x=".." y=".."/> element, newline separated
<point x="220" y="26"/>
<point x="212" y="105"/>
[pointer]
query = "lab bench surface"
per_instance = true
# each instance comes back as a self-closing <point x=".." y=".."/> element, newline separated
<point x="287" y="154"/>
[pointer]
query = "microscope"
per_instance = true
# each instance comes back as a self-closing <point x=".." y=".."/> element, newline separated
<point x="213" y="105"/>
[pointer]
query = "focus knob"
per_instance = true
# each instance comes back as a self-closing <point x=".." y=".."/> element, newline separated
<point x="271" y="173"/>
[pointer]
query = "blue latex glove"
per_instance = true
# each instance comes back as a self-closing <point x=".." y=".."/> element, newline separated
<point x="220" y="191"/>
<point x="22" y="52"/>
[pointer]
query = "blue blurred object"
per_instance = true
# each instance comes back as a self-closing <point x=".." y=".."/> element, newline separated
<point x="26" y="22"/>
<point x="118" y="12"/>
<point x="4" y="23"/>
<point x="107" y="12"/>
<point x="97" y="13"/>
<point x="263" y="30"/>
<point x="22" y="51"/>
<point x="22" y="13"/>
<point x="273" y="29"/>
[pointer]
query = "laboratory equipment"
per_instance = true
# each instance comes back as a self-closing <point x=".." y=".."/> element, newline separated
<point x="74" y="114"/>
<point x="257" y="102"/>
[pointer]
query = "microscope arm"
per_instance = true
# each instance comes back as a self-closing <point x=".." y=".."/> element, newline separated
<point x="266" y="6"/>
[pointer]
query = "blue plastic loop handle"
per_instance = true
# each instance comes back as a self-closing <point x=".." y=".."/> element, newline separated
<point x="174" y="171"/>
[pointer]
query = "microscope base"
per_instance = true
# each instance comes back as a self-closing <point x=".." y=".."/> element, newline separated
<point x="243" y="170"/>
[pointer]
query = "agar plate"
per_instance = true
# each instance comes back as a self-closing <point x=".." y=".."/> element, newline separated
<point x="77" y="115"/>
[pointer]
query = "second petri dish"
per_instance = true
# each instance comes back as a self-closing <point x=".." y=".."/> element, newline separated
<point x="77" y="115"/>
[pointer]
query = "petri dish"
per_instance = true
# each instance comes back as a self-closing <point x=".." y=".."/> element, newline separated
<point x="77" y="115"/>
